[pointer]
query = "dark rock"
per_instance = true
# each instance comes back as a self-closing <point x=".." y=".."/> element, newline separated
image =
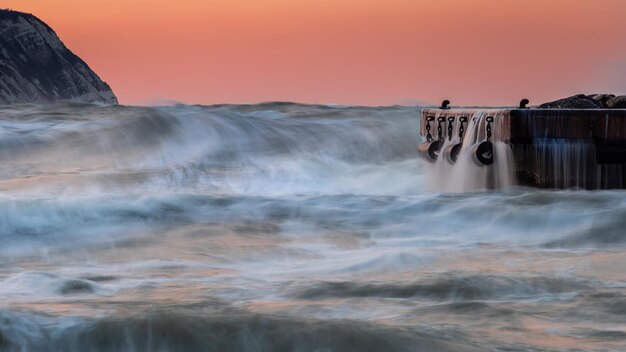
<point x="618" y="102"/>
<point x="36" y="67"/>
<point x="602" y="99"/>
<point x="579" y="101"/>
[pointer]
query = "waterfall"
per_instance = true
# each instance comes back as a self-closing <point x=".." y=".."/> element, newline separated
<point x="465" y="175"/>
<point x="561" y="163"/>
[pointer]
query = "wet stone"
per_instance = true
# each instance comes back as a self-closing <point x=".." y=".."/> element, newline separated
<point x="579" y="101"/>
<point x="618" y="102"/>
<point x="602" y="99"/>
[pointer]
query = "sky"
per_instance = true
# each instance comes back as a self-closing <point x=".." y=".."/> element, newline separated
<point x="352" y="52"/>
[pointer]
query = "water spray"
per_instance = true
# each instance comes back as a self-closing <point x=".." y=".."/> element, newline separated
<point x="451" y="153"/>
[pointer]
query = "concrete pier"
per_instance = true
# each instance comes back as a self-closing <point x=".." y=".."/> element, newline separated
<point x="551" y="148"/>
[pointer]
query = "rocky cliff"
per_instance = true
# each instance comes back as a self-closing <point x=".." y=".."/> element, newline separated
<point x="36" y="67"/>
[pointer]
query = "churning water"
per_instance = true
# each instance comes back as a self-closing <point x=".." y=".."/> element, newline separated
<point x="282" y="227"/>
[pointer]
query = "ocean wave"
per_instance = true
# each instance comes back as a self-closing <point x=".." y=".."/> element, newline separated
<point x="229" y="330"/>
<point x="34" y="284"/>
<point x="284" y="227"/>
<point x="461" y="288"/>
<point x="425" y="221"/>
<point x="179" y="133"/>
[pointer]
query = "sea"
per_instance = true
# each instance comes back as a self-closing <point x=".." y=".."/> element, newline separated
<point x="287" y="227"/>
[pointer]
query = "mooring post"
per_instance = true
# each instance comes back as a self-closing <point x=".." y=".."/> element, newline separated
<point x="523" y="103"/>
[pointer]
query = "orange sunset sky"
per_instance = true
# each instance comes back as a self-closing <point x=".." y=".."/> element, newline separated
<point x="367" y="52"/>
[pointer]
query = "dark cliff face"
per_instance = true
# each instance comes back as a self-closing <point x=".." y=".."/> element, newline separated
<point x="35" y="66"/>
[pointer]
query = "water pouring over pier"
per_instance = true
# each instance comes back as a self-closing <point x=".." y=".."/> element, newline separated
<point x="476" y="149"/>
<point x="475" y="155"/>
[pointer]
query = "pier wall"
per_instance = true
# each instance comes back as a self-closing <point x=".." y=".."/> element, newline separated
<point x="553" y="148"/>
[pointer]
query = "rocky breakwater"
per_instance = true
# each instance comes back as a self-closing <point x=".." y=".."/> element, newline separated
<point x="591" y="101"/>
<point x="36" y="67"/>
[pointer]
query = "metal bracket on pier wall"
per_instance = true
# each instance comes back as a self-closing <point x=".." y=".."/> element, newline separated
<point x="450" y="127"/>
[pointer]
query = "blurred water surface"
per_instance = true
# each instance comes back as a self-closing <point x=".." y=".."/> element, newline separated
<point x="284" y="227"/>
